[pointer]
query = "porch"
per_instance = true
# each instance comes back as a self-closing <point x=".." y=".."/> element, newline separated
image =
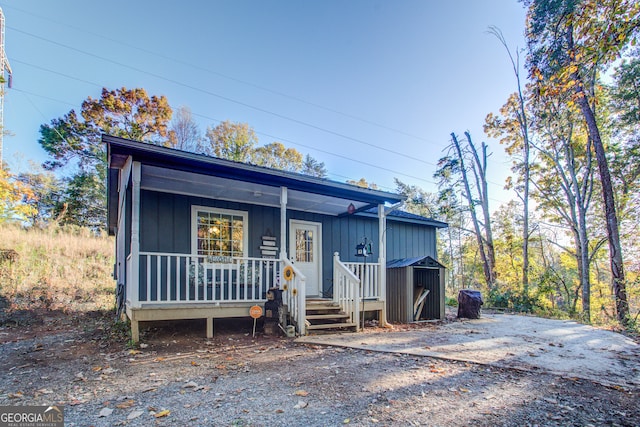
<point x="173" y="286"/>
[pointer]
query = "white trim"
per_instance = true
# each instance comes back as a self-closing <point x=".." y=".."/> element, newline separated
<point x="382" y="260"/>
<point x="194" y="225"/>
<point x="283" y="222"/>
<point x="135" y="234"/>
<point x="318" y="255"/>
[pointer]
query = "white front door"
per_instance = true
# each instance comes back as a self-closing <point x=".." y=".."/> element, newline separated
<point x="305" y="244"/>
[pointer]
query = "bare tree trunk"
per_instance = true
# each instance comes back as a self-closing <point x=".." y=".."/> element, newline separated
<point x="615" y="249"/>
<point x="526" y="151"/>
<point x="474" y="217"/>
<point x="618" y="284"/>
<point x="480" y="173"/>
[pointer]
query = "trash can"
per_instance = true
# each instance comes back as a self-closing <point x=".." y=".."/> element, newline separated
<point x="469" y="303"/>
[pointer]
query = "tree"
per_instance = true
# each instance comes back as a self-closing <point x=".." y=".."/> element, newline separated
<point x="473" y="180"/>
<point x="418" y="201"/>
<point x="184" y="132"/>
<point x="312" y="167"/>
<point x="231" y="141"/>
<point x="570" y="42"/>
<point x="362" y="182"/>
<point x="564" y="183"/>
<point x="47" y="191"/>
<point x="14" y="198"/>
<point x="77" y="141"/>
<point x="277" y="156"/>
<point x="83" y="201"/>
<point x="513" y="128"/>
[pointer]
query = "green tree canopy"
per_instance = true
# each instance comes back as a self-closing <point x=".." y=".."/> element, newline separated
<point x="76" y="140"/>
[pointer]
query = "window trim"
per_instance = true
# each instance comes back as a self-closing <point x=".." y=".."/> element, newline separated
<point x="208" y="209"/>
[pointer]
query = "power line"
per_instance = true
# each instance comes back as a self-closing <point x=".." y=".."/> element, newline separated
<point x="231" y="78"/>
<point x="226" y="98"/>
<point x="209" y="118"/>
<point x="274" y="137"/>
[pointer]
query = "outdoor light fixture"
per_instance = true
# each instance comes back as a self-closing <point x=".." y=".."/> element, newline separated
<point x="351" y="209"/>
<point x="363" y="249"/>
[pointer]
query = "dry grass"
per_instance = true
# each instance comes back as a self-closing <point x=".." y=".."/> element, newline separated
<point x="57" y="268"/>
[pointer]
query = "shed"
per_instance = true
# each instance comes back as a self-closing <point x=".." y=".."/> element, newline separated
<point x="408" y="280"/>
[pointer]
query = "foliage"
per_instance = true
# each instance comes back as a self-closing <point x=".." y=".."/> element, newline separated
<point x="231" y="141"/>
<point x="121" y="112"/>
<point x="362" y="182"/>
<point x="312" y="167"/>
<point x="47" y="192"/>
<point x="570" y="44"/>
<point x="184" y="133"/>
<point x="418" y="201"/>
<point x="67" y="268"/>
<point x="277" y="156"/>
<point x="238" y="142"/>
<point x="16" y="199"/>
<point x="76" y="141"/>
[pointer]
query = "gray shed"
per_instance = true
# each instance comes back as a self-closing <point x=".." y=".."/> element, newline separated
<point x="408" y="280"/>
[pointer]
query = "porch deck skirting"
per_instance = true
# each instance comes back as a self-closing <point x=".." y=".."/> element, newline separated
<point x="177" y="311"/>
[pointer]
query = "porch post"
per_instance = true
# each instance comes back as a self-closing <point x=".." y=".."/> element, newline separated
<point x="382" y="259"/>
<point x="283" y="222"/>
<point x="135" y="235"/>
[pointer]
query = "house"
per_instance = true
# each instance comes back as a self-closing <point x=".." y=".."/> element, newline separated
<point x="202" y="238"/>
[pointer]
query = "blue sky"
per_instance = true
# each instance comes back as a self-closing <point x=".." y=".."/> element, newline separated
<point x="371" y="88"/>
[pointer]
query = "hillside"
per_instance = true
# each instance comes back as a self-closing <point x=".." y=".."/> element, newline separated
<point x="58" y="268"/>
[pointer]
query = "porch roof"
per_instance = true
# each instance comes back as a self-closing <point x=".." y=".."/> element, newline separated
<point x="175" y="171"/>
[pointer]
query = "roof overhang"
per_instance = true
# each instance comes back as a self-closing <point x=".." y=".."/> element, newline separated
<point x="180" y="172"/>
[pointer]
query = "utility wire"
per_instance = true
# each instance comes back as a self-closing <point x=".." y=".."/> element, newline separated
<point x="226" y="98"/>
<point x="231" y="78"/>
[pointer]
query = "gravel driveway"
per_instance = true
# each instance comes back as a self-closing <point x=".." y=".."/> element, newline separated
<point x="178" y="378"/>
<point x="559" y="347"/>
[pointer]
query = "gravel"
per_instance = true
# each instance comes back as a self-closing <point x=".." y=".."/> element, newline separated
<point x="179" y="378"/>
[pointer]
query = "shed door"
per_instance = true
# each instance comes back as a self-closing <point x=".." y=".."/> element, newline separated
<point x="429" y="278"/>
<point x="305" y="243"/>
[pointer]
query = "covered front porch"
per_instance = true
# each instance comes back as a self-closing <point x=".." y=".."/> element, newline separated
<point x="185" y="286"/>
<point x="199" y="237"/>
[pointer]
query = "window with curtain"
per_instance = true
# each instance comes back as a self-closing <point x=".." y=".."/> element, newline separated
<point x="220" y="233"/>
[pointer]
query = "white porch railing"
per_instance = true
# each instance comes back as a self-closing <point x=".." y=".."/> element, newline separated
<point x="167" y="278"/>
<point x="346" y="290"/>
<point x="294" y="296"/>
<point x="369" y="274"/>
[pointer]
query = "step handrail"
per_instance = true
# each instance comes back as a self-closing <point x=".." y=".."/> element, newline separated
<point x="346" y="290"/>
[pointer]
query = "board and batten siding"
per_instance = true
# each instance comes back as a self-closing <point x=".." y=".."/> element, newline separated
<point x="165" y="222"/>
<point x="165" y="226"/>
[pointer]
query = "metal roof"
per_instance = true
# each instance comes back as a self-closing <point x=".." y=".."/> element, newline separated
<point x="421" y="261"/>
<point x="175" y="171"/>
<point x="405" y="216"/>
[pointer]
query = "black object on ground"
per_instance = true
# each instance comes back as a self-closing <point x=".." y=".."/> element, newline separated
<point x="469" y="303"/>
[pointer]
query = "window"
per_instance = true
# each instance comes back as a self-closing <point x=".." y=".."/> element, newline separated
<point x="219" y="232"/>
<point x="304" y="245"/>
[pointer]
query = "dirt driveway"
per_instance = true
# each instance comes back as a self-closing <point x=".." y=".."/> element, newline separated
<point x="559" y="347"/>
<point x="376" y="378"/>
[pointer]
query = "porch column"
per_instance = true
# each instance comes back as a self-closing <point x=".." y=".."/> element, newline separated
<point x="121" y="257"/>
<point x="382" y="259"/>
<point x="283" y="222"/>
<point x="135" y="235"/>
